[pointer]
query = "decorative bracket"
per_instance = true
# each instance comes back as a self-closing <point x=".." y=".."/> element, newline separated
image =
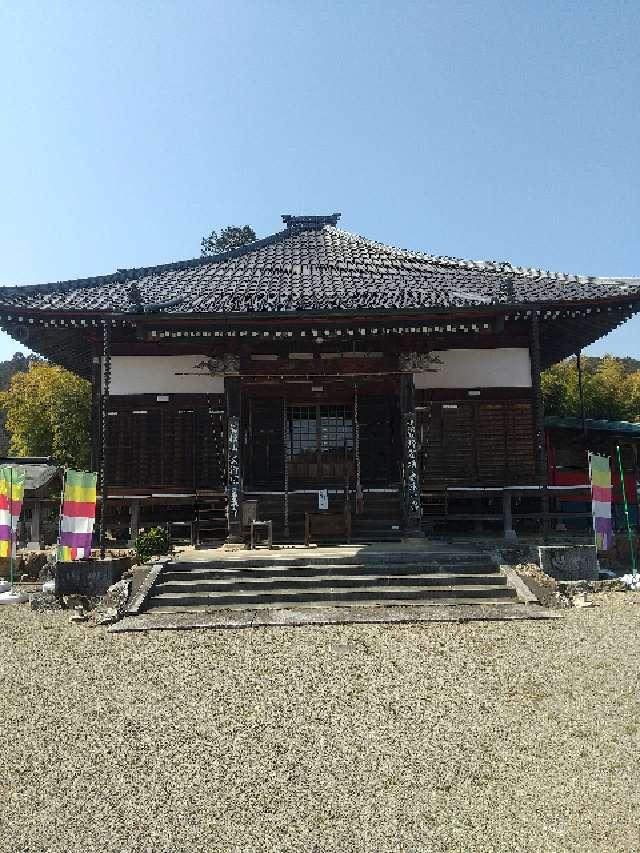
<point x="413" y="362"/>
<point x="227" y="365"/>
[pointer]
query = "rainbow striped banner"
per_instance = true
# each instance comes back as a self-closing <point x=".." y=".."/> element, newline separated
<point x="11" y="496"/>
<point x="601" y="492"/>
<point x="78" y="516"/>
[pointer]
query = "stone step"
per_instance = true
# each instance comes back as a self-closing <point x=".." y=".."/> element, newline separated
<point x="381" y="517"/>
<point x="440" y="602"/>
<point x="324" y="595"/>
<point x="369" y="560"/>
<point x="368" y="538"/>
<point x="310" y="570"/>
<point x="230" y="572"/>
<point x="194" y="582"/>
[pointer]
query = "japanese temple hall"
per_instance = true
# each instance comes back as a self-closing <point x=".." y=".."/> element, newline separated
<point x="316" y="370"/>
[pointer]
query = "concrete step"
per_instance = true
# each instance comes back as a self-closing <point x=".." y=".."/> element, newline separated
<point x="195" y="582"/>
<point x="323" y="595"/>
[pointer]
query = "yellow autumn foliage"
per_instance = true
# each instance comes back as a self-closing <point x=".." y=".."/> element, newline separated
<point x="48" y="413"/>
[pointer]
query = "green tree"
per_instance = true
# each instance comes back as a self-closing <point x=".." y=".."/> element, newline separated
<point x="18" y="363"/>
<point x="231" y="237"/>
<point x="560" y="389"/>
<point x="607" y="391"/>
<point x="48" y="413"/>
<point x="611" y="390"/>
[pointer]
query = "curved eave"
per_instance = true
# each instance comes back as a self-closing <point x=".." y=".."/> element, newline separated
<point x="64" y="336"/>
<point x="312" y="315"/>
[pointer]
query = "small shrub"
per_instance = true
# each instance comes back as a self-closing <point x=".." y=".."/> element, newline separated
<point x="150" y="543"/>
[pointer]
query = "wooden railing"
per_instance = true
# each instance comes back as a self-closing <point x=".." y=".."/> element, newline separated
<point x="442" y="507"/>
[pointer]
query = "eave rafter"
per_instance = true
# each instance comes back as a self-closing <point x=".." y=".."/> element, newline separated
<point x="66" y="338"/>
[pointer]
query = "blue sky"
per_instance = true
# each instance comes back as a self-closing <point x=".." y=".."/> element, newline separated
<point x="484" y="130"/>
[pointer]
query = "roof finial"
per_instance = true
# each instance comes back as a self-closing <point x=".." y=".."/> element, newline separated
<point x="306" y="223"/>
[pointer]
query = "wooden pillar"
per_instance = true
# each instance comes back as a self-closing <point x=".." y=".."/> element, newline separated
<point x="538" y="421"/>
<point x="285" y="450"/>
<point x="34" y="541"/>
<point x="234" y="458"/>
<point x="105" y="385"/>
<point x="96" y="426"/>
<point x="356" y="451"/>
<point x="509" y="532"/>
<point x="581" y="396"/>
<point x="411" y="480"/>
<point x="134" y="522"/>
<point x="478" y="527"/>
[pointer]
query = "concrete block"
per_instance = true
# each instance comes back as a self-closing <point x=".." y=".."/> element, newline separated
<point x="569" y="562"/>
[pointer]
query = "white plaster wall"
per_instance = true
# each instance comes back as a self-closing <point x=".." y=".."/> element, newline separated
<point x="162" y="374"/>
<point x="509" y="367"/>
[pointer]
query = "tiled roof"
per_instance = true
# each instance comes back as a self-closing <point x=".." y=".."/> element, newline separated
<point x="559" y="422"/>
<point x="313" y="266"/>
<point x="37" y="475"/>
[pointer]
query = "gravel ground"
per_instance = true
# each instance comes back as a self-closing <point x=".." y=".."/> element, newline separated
<point x="489" y="736"/>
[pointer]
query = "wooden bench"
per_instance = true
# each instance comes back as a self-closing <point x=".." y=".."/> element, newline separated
<point x="327" y="523"/>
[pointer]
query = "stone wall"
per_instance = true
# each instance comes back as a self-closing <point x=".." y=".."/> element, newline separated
<point x="569" y="562"/>
<point x="89" y="577"/>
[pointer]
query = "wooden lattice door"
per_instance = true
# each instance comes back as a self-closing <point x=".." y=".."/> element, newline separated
<point x="320" y="443"/>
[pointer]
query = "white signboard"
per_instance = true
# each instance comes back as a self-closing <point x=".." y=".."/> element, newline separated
<point x="508" y="367"/>
<point x="323" y="499"/>
<point x="162" y="374"/>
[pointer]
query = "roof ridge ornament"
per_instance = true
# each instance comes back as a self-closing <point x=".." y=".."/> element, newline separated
<point x="306" y="223"/>
<point x="137" y="306"/>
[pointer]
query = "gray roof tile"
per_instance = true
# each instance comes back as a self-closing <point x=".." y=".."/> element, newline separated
<point x="314" y="266"/>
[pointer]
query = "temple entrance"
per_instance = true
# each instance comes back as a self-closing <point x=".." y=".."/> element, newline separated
<point x="322" y="444"/>
<point x="346" y="441"/>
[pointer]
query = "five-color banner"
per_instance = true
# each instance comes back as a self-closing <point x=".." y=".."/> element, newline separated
<point x="78" y="515"/>
<point x="11" y="496"/>
<point x="601" y="492"/>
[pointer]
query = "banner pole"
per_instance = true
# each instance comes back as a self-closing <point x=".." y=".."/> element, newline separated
<point x="11" y="526"/>
<point x="626" y="512"/>
<point x="593" y="517"/>
<point x="61" y="513"/>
